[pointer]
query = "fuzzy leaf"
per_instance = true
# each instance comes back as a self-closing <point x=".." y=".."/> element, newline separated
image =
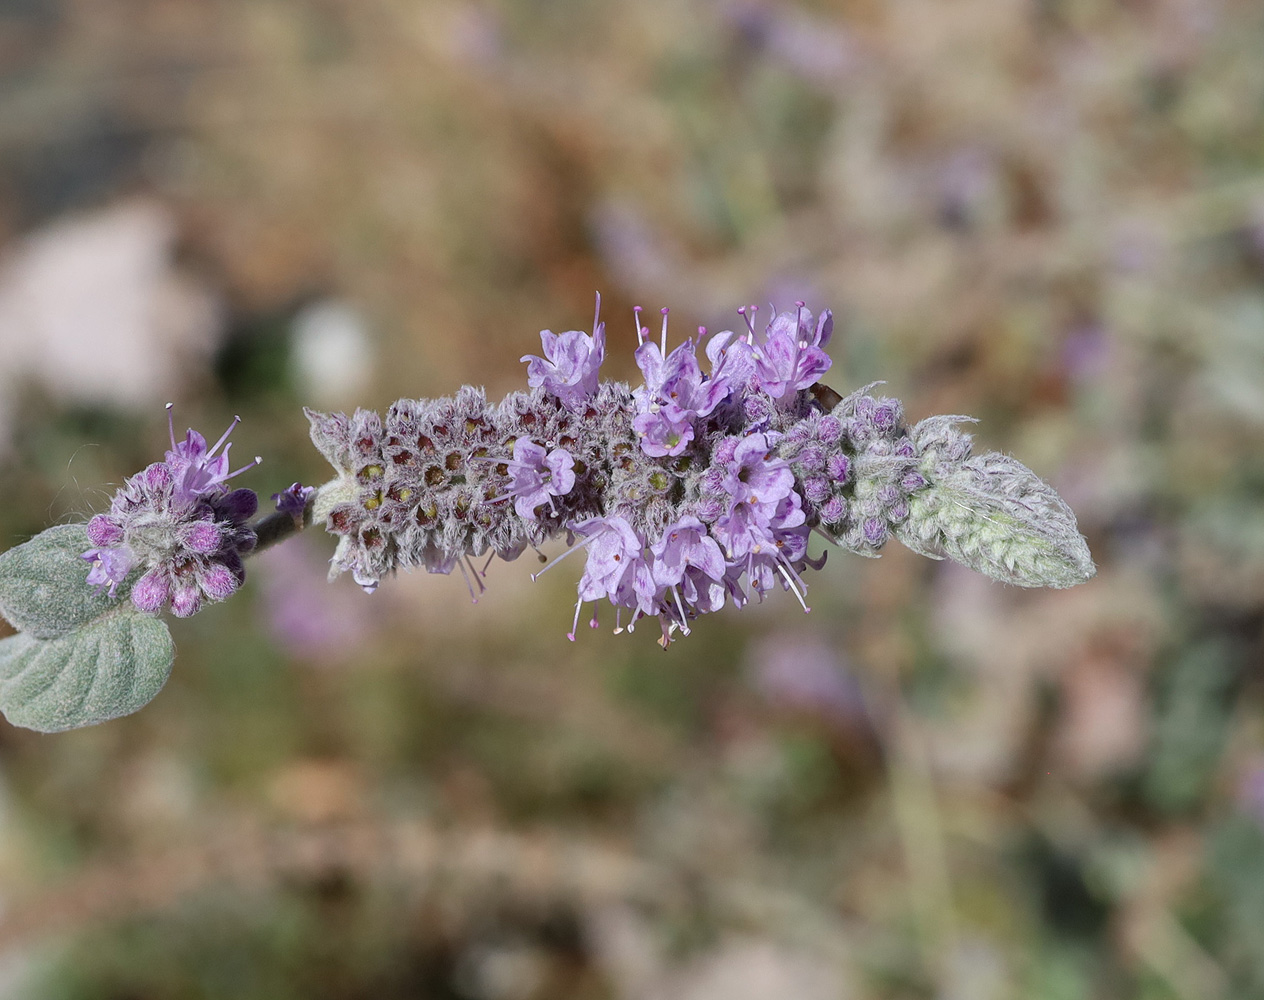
<point x="43" y="584"/>
<point x="108" y="668"/>
<point x="994" y="515"/>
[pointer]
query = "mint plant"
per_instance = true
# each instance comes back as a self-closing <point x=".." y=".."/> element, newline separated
<point x="692" y="491"/>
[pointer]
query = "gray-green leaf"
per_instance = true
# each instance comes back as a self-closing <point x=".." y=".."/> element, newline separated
<point x="108" y="668"/>
<point x="43" y="584"/>
<point x="994" y="515"/>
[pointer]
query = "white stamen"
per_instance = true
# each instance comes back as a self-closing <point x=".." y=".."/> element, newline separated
<point x="574" y="548"/>
<point x="224" y="437"/>
<point x="258" y="461"/>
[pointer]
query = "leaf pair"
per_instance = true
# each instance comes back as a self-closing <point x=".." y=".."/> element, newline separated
<point x="80" y="657"/>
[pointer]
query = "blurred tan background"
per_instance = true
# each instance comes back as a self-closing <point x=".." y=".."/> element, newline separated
<point x="1045" y="213"/>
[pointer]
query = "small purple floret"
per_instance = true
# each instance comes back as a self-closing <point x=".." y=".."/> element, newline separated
<point x="200" y="536"/>
<point x="786" y="356"/>
<point x="537" y="476"/>
<point x="569" y="368"/>
<point x="616" y="569"/>
<point x="110" y="566"/>
<point x="675" y="395"/>
<point x="293" y="500"/>
<point x="198" y="470"/>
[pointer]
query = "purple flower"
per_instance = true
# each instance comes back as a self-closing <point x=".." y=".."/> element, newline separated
<point x="791" y="356"/>
<point x="751" y="528"/>
<point x="293" y="500"/>
<point x="688" y="561"/>
<point x="536" y="476"/>
<point x="674" y="396"/>
<point x="664" y="430"/>
<point x="570" y="364"/>
<point x="178" y="521"/>
<point x="771" y="557"/>
<point x="661" y="374"/>
<point x="732" y="357"/>
<point x="754" y="476"/>
<point x="616" y="569"/>
<point x="683" y="546"/>
<point x="110" y="566"/>
<point x="786" y="357"/>
<point x="198" y="470"/>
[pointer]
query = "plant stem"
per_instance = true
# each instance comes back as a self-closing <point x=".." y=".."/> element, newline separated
<point x="278" y="526"/>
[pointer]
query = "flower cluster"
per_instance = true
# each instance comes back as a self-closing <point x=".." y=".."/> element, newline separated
<point x="689" y="492"/>
<point x="179" y="525"/>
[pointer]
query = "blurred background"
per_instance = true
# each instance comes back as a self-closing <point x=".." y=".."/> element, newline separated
<point x="1045" y="213"/>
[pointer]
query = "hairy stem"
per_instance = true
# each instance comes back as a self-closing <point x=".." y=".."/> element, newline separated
<point x="279" y="526"/>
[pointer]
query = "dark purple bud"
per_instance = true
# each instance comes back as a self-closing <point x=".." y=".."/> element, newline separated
<point x="811" y="458"/>
<point x="817" y="490"/>
<point x="104" y="532"/>
<point x="904" y="448"/>
<point x="713" y="479"/>
<point x="233" y="562"/>
<point x="756" y="409"/>
<point x="152" y="590"/>
<point x="838" y="467"/>
<point x="886" y="415"/>
<point x="798" y="434"/>
<point x="710" y="509"/>
<point x="875" y="531"/>
<point x="899" y="511"/>
<point x="724" y="451"/>
<point x="239" y="506"/>
<point x="834" y="510"/>
<point x="912" y="482"/>
<point x="829" y="429"/>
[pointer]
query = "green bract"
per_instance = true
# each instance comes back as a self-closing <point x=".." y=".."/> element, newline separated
<point x="994" y="515"/>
